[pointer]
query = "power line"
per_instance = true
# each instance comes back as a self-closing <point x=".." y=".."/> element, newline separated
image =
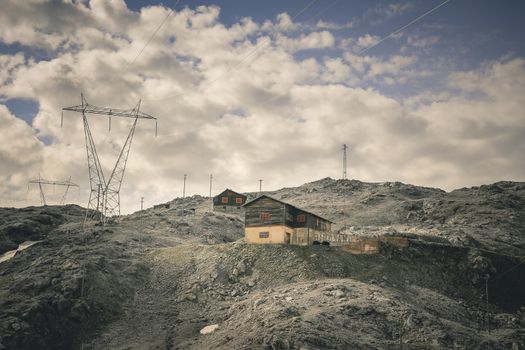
<point x="153" y="35"/>
<point x="231" y="68"/>
<point x="258" y="47"/>
<point x="323" y="11"/>
<point x="403" y="27"/>
<point x="372" y="46"/>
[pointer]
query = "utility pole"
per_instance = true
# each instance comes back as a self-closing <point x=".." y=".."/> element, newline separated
<point x="211" y="199"/>
<point x="260" y="185"/>
<point x="184" y="187"/>
<point x="344" y="161"/>
<point x="141" y="203"/>
<point x="42" y="197"/>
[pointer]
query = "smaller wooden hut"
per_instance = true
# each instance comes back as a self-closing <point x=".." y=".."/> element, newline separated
<point x="228" y="201"/>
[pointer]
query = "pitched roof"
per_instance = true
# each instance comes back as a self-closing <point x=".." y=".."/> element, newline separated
<point x="291" y="205"/>
<point x="237" y="193"/>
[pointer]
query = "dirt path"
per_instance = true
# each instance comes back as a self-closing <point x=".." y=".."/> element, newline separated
<point x="163" y="312"/>
<point x="146" y="318"/>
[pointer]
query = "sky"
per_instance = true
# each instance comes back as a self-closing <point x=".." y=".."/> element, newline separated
<point x="425" y="92"/>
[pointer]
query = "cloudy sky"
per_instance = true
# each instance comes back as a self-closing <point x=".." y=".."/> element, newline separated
<point x="269" y="90"/>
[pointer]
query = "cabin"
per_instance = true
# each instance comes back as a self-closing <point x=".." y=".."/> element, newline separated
<point x="228" y="201"/>
<point x="272" y="221"/>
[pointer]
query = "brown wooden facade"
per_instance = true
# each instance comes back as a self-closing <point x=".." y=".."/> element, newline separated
<point x="229" y="199"/>
<point x="269" y="220"/>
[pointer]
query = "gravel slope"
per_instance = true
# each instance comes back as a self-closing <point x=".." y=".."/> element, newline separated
<point x="155" y="278"/>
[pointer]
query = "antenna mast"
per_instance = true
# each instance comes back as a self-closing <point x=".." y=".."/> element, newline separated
<point x="104" y="197"/>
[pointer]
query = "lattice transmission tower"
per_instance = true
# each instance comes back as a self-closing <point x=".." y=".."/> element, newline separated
<point x="40" y="181"/>
<point x="104" y="197"/>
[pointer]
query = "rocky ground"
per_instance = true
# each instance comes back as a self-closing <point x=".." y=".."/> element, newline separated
<point x="490" y="217"/>
<point x="156" y="278"/>
<point x="33" y="223"/>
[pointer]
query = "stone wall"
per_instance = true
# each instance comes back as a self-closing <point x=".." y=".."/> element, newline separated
<point x="371" y="245"/>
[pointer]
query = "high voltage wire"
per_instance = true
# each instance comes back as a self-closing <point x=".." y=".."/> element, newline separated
<point x="403" y="27"/>
<point x="232" y="68"/>
<point x="374" y="45"/>
<point x="153" y="35"/>
<point x="323" y="11"/>
<point x="265" y="42"/>
<point x="262" y="44"/>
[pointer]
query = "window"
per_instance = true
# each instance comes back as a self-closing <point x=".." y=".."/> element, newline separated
<point x="289" y="217"/>
<point x="224" y="199"/>
<point x="238" y="200"/>
<point x="301" y="218"/>
<point x="264" y="234"/>
<point x="264" y="216"/>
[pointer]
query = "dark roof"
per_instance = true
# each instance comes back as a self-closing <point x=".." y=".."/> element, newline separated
<point x="237" y="193"/>
<point x="291" y="205"/>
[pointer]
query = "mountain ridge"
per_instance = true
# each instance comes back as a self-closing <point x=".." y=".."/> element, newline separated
<point x="153" y="279"/>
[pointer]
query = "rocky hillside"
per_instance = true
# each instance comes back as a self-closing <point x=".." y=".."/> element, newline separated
<point x="178" y="276"/>
<point x="33" y="223"/>
<point x="491" y="217"/>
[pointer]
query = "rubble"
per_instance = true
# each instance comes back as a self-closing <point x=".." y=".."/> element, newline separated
<point x="161" y="276"/>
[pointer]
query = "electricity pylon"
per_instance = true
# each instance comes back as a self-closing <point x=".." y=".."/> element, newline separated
<point x="40" y="181"/>
<point x="104" y="197"/>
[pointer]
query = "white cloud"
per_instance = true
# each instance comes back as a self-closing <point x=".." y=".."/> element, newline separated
<point x="482" y="137"/>
<point x="8" y="63"/>
<point x="21" y="155"/>
<point x="284" y="22"/>
<point x="366" y="41"/>
<point x="421" y="41"/>
<point x="235" y="101"/>
<point x="314" y="40"/>
<point x="396" y="69"/>
<point x="394" y="66"/>
<point x="396" y="9"/>
<point x="336" y="71"/>
<point x="383" y="12"/>
<point x="332" y="25"/>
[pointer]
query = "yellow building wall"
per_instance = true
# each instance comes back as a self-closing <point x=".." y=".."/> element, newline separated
<point x="276" y="234"/>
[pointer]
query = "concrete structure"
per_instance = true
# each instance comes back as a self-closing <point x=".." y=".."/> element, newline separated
<point x="271" y="221"/>
<point x="371" y="245"/>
